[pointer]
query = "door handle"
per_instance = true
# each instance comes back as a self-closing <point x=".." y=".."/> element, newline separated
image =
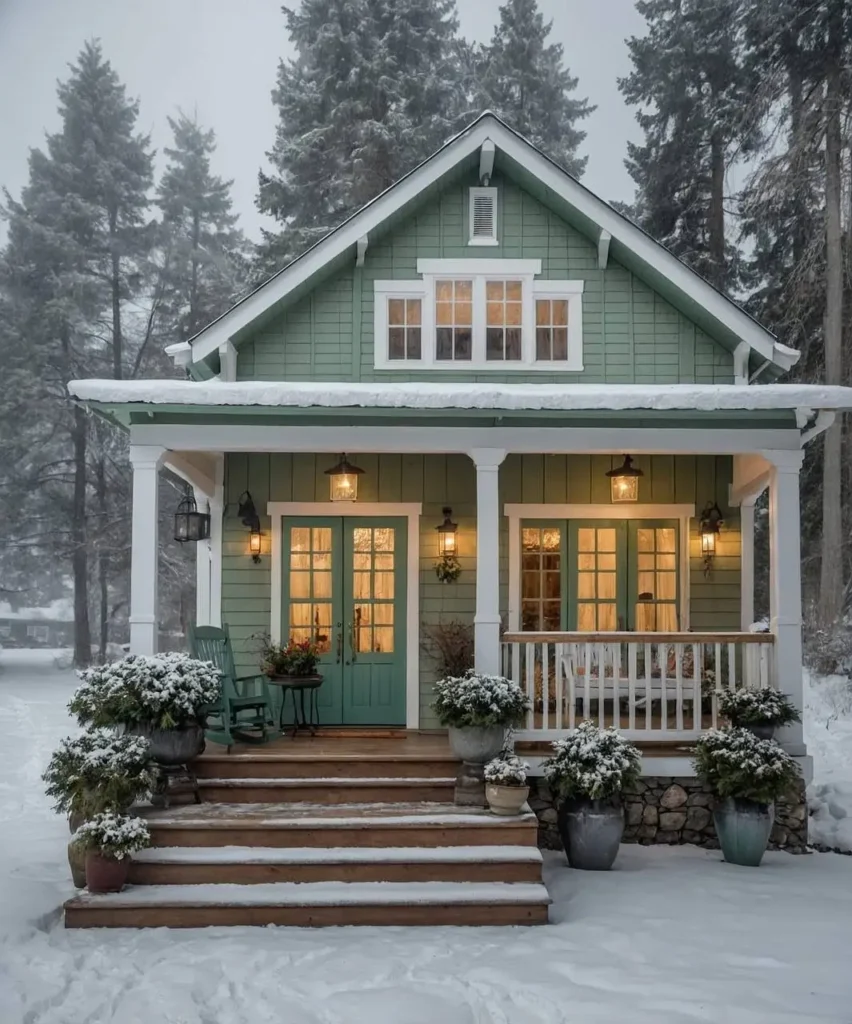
<point x="339" y="642"/>
<point x="352" y="645"/>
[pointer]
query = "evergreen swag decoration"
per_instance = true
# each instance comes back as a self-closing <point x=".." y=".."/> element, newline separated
<point x="592" y="763"/>
<point x="757" y="707"/>
<point x="735" y="763"/>
<point x="507" y="770"/>
<point x="476" y="700"/>
<point x="448" y="569"/>
<point x="166" y="691"/>
<point x="98" y="771"/>
<point x="113" y="835"/>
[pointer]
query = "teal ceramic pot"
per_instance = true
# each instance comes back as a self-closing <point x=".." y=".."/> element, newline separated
<point x="591" y="832"/>
<point x="743" y="828"/>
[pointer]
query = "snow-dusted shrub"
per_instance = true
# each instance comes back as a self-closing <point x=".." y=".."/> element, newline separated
<point x="829" y="651"/>
<point x="98" y="771"/>
<point x="592" y="762"/>
<point x="757" y="707"/>
<point x="507" y="770"/>
<point x="165" y="690"/>
<point x="479" y="700"/>
<point x="113" y="835"/>
<point x="735" y="763"/>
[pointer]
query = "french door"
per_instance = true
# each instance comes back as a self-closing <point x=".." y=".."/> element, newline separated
<point x="344" y="586"/>
<point x="600" y="575"/>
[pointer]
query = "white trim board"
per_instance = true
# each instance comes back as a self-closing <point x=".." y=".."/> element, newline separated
<point x="488" y="128"/>
<point x="516" y="512"/>
<point x="409" y="510"/>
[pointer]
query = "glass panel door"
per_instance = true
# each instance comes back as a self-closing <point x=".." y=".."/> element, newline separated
<point x="654" y="576"/>
<point x="543" y="577"/>
<point x="598" y="577"/>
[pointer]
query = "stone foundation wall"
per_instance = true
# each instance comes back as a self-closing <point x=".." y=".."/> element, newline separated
<point x="663" y="809"/>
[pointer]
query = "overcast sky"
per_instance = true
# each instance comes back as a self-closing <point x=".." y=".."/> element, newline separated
<point x="219" y="58"/>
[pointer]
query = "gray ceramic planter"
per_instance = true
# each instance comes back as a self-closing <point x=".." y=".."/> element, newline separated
<point x="762" y="730"/>
<point x="591" y="832"/>
<point x="477" y="745"/>
<point x="743" y="828"/>
<point x="172" y="746"/>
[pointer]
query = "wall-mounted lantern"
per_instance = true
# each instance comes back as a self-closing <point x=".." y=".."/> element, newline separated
<point x="448" y="567"/>
<point x="709" y="525"/>
<point x="344" y="480"/>
<point x="248" y="514"/>
<point x="624" y="481"/>
<point x="190" y="524"/>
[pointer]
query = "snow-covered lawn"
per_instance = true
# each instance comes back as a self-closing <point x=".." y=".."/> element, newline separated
<point x="671" y="935"/>
<point x="828" y="733"/>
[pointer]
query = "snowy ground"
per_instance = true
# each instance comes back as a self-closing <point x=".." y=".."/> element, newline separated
<point x="671" y="935"/>
<point x="828" y="733"/>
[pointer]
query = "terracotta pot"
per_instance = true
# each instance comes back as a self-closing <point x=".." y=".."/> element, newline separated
<point x="77" y="863"/>
<point x="172" y="746"/>
<point x="506" y="800"/>
<point x="105" y="874"/>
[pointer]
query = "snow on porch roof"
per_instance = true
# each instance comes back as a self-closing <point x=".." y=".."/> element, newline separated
<point x="445" y="396"/>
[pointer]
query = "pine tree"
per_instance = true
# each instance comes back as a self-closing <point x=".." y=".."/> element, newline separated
<point x="371" y="92"/>
<point x="203" y="252"/>
<point x="689" y="77"/>
<point x="524" y="82"/>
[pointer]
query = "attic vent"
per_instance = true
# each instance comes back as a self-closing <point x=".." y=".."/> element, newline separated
<point x="483" y="216"/>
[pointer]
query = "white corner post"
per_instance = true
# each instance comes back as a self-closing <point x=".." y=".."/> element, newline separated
<point x="785" y="584"/>
<point x="203" y="564"/>
<point x="747" y="563"/>
<point x="217" y="530"/>
<point x="144" y="549"/>
<point x="486" y="623"/>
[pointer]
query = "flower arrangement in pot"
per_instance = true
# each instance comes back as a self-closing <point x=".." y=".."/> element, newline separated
<point x="297" y="659"/>
<point x="162" y="697"/>
<point x="588" y="772"/>
<point x="109" y="839"/>
<point x="747" y="775"/>
<point x="477" y="710"/>
<point x="94" y="772"/>
<point x="759" y="711"/>
<point x="506" y="788"/>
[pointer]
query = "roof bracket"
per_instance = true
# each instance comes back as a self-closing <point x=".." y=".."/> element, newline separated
<point x="486" y="161"/>
<point x="604" y="238"/>
<point x="361" y="250"/>
<point x="741" y="357"/>
<point x="824" y="419"/>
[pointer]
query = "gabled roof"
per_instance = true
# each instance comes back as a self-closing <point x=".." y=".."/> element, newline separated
<point x="714" y="312"/>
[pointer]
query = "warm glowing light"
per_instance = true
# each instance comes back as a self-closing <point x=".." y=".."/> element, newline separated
<point x="624" y="482"/>
<point x="708" y="543"/>
<point x="255" y="544"/>
<point x="344" y="480"/>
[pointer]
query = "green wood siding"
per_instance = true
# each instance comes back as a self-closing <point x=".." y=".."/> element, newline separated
<point x="630" y="333"/>
<point x="438" y="480"/>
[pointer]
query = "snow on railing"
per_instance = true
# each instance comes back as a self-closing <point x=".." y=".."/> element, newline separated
<point x="661" y="686"/>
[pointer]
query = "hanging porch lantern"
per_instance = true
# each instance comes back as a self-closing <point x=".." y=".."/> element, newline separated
<point x="248" y="514"/>
<point x="448" y="566"/>
<point x="344" y="480"/>
<point x="624" y="482"/>
<point x="191" y="526"/>
<point x="709" y="525"/>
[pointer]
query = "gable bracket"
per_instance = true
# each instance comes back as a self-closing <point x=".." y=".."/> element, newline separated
<point x="361" y="250"/>
<point x="486" y="162"/>
<point x="604" y="238"/>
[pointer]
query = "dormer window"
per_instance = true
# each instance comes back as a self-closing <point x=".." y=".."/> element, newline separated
<point x="483" y="216"/>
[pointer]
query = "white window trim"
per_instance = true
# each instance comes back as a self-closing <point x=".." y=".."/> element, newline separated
<point x="472" y="193"/>
<point x="515" y="513"/>
<point x="479" y="271"/>
<point x="411" y="511"/>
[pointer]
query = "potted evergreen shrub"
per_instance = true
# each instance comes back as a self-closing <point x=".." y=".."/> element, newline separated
<point x="95" y="772"/>
<point x="506" y="788"/>
<point x="588" y="772"/>
<point x="477" y="709"/>
<point x="161" y="697"/>
<point x="759" y="711"/>
<point x="747" y="775"/>
<point x="108" y="840"/>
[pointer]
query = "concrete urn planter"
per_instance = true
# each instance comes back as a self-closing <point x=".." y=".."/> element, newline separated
<point x="475" y="746"/>
<point x="506" y="800"/>
<point x="172" y="746"/>
<point x="743" y="828"/>
<point x="591" y="832"/>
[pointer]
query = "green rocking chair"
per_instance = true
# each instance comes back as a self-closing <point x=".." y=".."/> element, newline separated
<point x="245" y="703"/>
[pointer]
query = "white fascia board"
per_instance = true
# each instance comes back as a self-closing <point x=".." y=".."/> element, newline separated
<point x="504" y="268"/>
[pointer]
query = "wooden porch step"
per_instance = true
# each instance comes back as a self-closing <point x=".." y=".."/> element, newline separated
<point x="259" y="865"/>
<point x="314" y="904"/>
<point x="320" y="790"/>
<point x="311" y="765"/>
<point x="352" y="825"/>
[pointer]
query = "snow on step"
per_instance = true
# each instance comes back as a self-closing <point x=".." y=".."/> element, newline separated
<point x="337" y="855"/>
<point x="326" y="894"/>
<point x="339" y="782"/>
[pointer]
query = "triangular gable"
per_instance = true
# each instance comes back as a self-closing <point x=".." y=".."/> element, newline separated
<point x="490" y="138"/>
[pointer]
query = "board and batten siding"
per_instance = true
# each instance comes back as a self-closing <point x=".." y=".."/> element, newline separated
<point x="630" y="333"/>
<point x="438" y="480"/>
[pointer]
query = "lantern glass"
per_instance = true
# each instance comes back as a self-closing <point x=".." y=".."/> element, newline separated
<point x="191" y="526"/>
<point x="708" y="542"/>
<point x="255" y="543"/>
<point x="624" y="482"/>
<point x="344" y="480"/>
<point x="447" y="534"/>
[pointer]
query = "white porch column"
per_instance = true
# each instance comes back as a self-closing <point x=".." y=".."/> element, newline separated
<point x="217" y="529"/>
<point x="747" y="564"/>
<point x="202" y="566"/>
<point x="785" y="584"/>
<point x="145" y="460"/>
<point x="486" y="626"/>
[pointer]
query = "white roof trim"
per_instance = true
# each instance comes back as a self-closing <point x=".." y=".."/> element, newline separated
<point x="440" y="395"/>
<point x="587" y="204"/>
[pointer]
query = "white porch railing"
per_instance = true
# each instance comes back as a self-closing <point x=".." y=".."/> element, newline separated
<point x="660" y="686"/>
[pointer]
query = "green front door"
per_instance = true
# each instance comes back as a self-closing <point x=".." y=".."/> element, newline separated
<point x="344" y="583"/>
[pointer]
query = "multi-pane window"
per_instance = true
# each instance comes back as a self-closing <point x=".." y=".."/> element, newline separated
<point x="551" y="329"/>
<point x="504" y="316"/>
<point x="454" y="320"/>
<point x="656" y="557"/>
<point x="373" y="588"/>
<point x="310" y="584"/>
<point x="404" y="328"/>
<point x="597" y="579"/>
<point x="541" y="578"/>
